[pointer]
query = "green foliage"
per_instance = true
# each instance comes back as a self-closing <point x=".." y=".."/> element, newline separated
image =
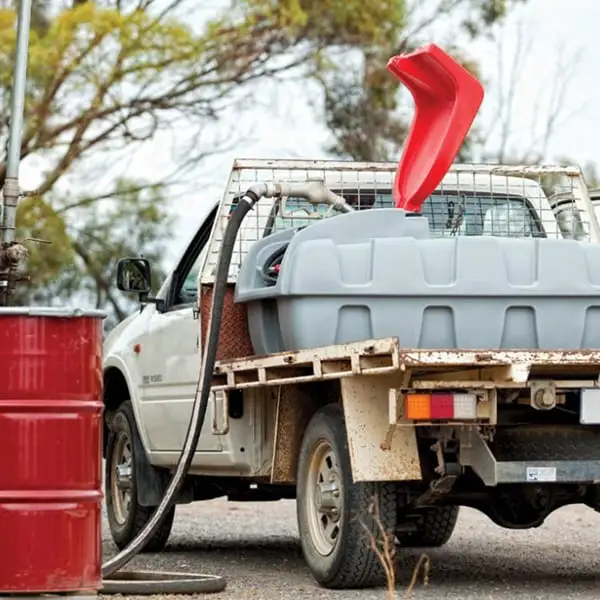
<point x="327" y="22"/>
<point x="483" y="14"/>
<point x="366" y="110"/>
<point x="38" y="219"/>
<point x="81" y="262"/>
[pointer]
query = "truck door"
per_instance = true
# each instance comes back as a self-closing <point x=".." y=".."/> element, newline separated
<point x="171" y="360"/>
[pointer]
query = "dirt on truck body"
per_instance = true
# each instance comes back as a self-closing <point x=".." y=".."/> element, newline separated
<point x="525" y="449"/>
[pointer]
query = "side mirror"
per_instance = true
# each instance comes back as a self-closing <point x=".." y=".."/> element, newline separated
<point x="134" y="275"/>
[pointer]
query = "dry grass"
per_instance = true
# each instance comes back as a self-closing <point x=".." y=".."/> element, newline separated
<point x="386" y="554"/>
<point x="423" y="563"/>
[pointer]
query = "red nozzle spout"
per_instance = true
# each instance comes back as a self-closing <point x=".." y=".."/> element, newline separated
<point x="447" y="98"/>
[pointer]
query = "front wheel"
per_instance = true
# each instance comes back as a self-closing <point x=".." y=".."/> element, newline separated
<point x="126" y="517"/>
<point x="339" y="520"/>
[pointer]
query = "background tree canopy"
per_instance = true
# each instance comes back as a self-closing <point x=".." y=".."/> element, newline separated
<point x="105" y="77"/>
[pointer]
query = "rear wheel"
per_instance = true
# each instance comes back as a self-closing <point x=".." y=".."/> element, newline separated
<point x="434" y="530"/>
<point x="126" y="517"/>
<point x="336" y="517"/>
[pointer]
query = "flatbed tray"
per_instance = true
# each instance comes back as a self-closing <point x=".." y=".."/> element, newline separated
<point x="385" y="356"/>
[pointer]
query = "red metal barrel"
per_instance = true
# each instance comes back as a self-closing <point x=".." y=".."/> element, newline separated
<point x="50" y="450"/>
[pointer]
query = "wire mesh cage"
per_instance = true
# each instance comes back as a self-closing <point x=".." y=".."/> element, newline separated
<point x="507" y="201"/>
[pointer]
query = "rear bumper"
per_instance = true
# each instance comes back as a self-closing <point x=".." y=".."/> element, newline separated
<point x="476" y="453"/>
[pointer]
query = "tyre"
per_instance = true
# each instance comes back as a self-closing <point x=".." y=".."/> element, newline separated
<point x="336" y="517"/>
<point x="125" y="516"/>
<point x="434" y="531"/>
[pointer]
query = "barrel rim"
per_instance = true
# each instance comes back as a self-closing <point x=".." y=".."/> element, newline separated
<point x="50" y="311"/>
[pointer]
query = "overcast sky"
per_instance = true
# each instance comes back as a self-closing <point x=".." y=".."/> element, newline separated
<point x="291" y="128"/>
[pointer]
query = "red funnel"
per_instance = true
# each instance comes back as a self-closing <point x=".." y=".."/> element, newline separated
<point x="447" y="98"/>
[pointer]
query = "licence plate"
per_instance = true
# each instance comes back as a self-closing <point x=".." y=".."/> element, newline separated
<point x="589" y="412"/>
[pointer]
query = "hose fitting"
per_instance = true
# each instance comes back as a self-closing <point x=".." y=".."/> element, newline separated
<point x="316" y="193"/>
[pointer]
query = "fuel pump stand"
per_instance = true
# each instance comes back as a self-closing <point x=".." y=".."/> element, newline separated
<point x="51" y="427"/>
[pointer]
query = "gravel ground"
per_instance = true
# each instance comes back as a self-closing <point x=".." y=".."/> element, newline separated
<point x="256" y="547"/>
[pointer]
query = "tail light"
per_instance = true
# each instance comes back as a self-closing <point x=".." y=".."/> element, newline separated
<point x="440" y="407"/>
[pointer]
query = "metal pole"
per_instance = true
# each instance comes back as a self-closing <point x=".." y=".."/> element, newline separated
<point x="11" y="183"/>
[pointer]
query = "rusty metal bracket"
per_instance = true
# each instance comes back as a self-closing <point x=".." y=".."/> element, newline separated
<point x="12" y="257"/>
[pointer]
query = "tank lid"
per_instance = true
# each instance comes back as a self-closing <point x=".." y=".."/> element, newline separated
<point x="49" y="311"/>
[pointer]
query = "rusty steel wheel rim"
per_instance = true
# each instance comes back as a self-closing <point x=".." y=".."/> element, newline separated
<point x="122" y="476"/>
<point x="324" y="498"/>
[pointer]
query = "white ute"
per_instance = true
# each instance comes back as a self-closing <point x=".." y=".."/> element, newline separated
<point x="317" y="425"/>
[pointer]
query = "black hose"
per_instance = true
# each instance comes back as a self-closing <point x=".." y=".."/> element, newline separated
<point x="199" y="407"/>
<point x="152" y="583"/>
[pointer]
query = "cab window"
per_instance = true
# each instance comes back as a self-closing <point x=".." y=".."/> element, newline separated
<point x="464" y="213"/>
<point x="184" y="286"/>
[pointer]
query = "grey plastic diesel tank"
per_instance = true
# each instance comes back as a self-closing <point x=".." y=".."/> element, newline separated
<point x="373" y="274"/>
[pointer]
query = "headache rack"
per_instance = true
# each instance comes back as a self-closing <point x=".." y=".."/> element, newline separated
<point x="465" y="202"/>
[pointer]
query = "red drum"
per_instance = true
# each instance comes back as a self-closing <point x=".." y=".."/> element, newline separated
<point x="50" y="450"/>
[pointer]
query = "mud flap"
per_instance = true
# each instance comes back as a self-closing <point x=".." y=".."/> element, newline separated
<point x="150" y="484"/>
<point x="379" y="450"/>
